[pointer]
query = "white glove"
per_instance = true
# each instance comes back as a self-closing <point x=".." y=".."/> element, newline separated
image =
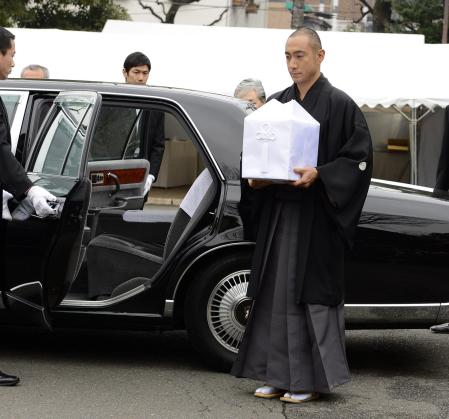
<point x="39" y="197"/>
<point x="6" y="215"/>
<point x="148" y="183"/>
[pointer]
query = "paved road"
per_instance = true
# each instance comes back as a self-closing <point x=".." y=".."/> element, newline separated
<point x="395" y="374"/>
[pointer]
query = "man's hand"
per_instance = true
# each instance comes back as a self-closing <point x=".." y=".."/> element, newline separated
<point x="259" y="183"/>
<point x="40" y="197"/>
<point x="148" y="183"/>
<point x="308" y="177"/>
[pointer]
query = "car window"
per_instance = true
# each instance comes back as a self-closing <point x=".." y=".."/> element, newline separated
<point x="62" y="146"/>
<point x="116" y="128"/>
<point x="15" y="103"/>
<point x="131" y="131"/>
<point x="11" y="102"/>
<point x="221" y="126"/>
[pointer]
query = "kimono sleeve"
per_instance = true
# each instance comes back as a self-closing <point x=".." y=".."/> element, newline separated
<point x="346" y="178"/>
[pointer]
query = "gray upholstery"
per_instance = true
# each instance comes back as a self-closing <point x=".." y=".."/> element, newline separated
<point x="115" y="263"/>
<point x="129" y="285"/>
<point x="111" y="259"/>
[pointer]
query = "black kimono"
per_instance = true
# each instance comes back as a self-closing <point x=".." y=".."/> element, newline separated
<point x="295" y="334"/>
<point x="442" y="180"/>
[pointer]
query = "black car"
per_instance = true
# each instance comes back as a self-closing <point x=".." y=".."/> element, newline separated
<point x="104" y="262"/>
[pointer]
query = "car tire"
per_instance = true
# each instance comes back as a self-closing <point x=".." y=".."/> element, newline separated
<point x="216" y="309"/>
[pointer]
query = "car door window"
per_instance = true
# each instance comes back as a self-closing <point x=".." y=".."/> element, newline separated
<point x="115" y="126"/>
<point x="15" y="104"/>
<point x="11" y="102"/>
<point x="63" y="143"/>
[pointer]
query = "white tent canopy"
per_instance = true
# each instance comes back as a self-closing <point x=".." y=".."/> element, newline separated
<point x="375" y="69"/>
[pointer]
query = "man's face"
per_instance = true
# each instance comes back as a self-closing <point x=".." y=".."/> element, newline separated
<point x="303" y="61"/>
<point x="137" y="75"/>
<point x="33" y="74"/>
<point x="7" y="61"/>
<point x="251" y="96"/>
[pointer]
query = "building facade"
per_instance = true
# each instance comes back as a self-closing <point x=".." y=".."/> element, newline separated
<point x="340" y="15"/>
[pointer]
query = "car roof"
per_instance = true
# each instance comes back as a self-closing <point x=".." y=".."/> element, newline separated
<point x="111" y="88"/>
<point x="218" y="118"/>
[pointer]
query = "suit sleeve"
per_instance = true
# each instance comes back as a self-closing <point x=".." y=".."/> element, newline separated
<point x="13" y="177"/>
<point x="157" y="142"/>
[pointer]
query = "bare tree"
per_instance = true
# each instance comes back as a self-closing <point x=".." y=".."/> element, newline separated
<point x="381" y="12"/>
<point x="169" y="14"/>
<point x="365" y="9"/>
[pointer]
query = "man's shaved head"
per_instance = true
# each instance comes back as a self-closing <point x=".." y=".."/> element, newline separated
<point x="314" y="38"/>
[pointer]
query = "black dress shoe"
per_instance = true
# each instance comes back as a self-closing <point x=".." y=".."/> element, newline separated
<point x="8" y="380"/>
<point x="440" y="328"/>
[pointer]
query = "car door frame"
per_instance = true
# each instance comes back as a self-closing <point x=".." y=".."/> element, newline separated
<point x="133" y="300"/>
<point x="30" y="300"/>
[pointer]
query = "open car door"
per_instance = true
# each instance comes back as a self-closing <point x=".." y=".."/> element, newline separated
<point x="41" y="255"/>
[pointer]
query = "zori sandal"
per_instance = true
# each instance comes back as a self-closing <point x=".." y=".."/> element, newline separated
<point x="268" y="392"/>
<point x="299" y="397"/>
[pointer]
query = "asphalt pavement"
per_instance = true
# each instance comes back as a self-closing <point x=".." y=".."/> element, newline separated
<point x="84" y="374"/>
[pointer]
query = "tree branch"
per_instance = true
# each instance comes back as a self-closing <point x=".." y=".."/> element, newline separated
<point x="369" y="10"/>
<point x="363" y="14"/>
<point x="162" y="4"/>
<point x="146" y="7"/>
<point x="219" y="17"/>
<point x="366" y="4"/>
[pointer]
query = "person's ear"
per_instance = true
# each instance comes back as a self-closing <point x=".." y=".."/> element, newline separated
<point x="125" y="73"/>
<point x="321" y="54"/>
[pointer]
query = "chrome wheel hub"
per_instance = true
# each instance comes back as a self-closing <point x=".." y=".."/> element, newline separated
<point x="228" y="309"/>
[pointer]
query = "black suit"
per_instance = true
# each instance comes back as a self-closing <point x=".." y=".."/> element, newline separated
<point x="13" y="177"/>
<point x="114" y="127"/>
<point x="153" y="141"/>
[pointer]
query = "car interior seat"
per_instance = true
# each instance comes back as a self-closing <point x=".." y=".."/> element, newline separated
<point x="117" y="264"/>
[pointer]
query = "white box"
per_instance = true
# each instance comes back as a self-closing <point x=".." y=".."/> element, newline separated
<point x="276" y="139"/>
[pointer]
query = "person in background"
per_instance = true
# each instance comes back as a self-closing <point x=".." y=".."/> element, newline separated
<point x="294" y="341"/>
<point x="13" y="178"/>
<point x="35" y="71"/>
<point x="252" y="91"/>
<point x="136" y="70"/>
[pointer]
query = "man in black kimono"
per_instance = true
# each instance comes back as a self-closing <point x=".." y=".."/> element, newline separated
<point x="294" y="340"/>
<point x="442" y="188"/>
<point x="13" y="177"/>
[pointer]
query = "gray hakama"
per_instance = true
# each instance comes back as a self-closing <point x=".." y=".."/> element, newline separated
<point x="295" y="347"/>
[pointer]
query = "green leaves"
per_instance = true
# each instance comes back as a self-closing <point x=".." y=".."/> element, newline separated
<point x="86" y="15"/>
<point x="421" y="16"/>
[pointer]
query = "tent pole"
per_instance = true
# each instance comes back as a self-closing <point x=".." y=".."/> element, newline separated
<point x="413" y="132"/>
<point x="413" y="126"/>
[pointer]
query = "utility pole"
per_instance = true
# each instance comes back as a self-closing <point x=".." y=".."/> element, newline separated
<point x="298" y="14"/>
<point x="445" y="21"/>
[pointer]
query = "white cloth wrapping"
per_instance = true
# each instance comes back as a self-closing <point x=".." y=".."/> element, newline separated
<point x="6" y="215"/>
<point x="278" y="138"/>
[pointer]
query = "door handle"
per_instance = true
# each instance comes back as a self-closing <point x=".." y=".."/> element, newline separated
<point x="116" y="181"/>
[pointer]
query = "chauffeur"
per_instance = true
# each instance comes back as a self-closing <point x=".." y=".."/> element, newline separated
<point x="13" y="177"/>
